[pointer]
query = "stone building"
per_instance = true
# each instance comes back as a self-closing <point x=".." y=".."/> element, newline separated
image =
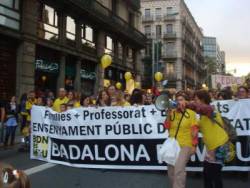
<point x="47" y="44"/>
<point x="174" y="43"/>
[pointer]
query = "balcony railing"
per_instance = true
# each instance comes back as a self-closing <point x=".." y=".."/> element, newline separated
<point x="169" y="17"/>
<point x="168" y="35"/>
<point x="106" y="16"/>
<point x="158" y="17"/>
<point x="149" y="18"/>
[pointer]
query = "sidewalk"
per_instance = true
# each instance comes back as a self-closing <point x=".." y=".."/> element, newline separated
<point x="18" y="140"/>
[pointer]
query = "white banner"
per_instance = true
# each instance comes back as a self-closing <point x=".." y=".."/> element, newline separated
<point x="121" y="137"/>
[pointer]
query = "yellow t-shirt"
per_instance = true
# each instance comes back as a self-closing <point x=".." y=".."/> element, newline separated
<point x="184" y="136"/>
<point x="213" y="135"/>
<point x="58" y="102"/>
<point x="77" y="104"/>
<point x="28" y="106"/>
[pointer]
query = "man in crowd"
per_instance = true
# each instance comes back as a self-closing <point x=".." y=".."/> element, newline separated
<point x="62" y="99"/>
<point x="2" y="116"/>
<point x="242" y="92"/>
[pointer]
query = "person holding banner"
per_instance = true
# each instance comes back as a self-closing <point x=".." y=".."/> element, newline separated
<point x="62" y="99"/>
<point x="214" y="138"/>
<point x="183" y="126"/>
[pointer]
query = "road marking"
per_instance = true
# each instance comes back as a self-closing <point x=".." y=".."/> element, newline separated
<point x="39" y="168"/>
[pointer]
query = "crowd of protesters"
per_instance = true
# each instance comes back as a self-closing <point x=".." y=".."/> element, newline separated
<point x="14" y="113"/>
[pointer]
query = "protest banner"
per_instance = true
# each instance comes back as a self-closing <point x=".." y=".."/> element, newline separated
<point x="123" y="137"/>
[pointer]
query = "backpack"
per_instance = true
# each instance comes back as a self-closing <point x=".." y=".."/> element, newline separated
<point x="229" y="128"/>
<point x="230" y="151"/>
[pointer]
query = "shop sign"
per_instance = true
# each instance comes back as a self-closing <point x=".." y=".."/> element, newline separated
<point x="46" y="66"/>
<point x="87" y="75"/>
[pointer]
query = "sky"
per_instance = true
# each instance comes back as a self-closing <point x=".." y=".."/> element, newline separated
<point x="229" y="22"/>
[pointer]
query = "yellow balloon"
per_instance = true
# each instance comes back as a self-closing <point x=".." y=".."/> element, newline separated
<point x="128" y="76"/>
<point x="118" y="85"/>
<point x="158" y="76"/>
<point x="106" y="61"/>
<point x="137" y="84"/>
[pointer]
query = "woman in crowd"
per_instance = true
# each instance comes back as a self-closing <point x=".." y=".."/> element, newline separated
<point x="40" y="101"/>
<point x="77" y="103"/>
<point x="51" y="95"/>
<point x="112" y="94"/>
<point x="214" y="138"/>
<point x="137" y="97"/>
<point x="12" y="178"/>
<point x="120" y="100"/>
<point x="71" y="98"/>
<point x="11" y="122"/>
<point x="103" y="99"/>
<point x="183" y="126"/>
<point x="49" y="102"/>
<point x="86" y="101"/>
<point x="242" y="92"/>
<point x="23" y="111"/>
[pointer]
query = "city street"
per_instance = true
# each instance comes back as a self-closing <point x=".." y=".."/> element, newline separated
<point x="44" y="175"/>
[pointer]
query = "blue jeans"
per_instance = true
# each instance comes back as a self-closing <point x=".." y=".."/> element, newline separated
<point x="10" y="132"/>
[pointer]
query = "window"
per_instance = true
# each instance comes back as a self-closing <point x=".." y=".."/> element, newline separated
<point x="129" y="54"/>
<point x="9" y="14"/>
<point x="70" y="28"/>
<point x="169" y="28"/>
<point x="147" y="13"/>
<point x="158" y="31"/>
<point x="158" y="13"/>
<point x="120" y="50"/>
<point x="109" y="45"/>
<point x="48" y="23"/>
<point x="147" y="30"/>
<point x="87" y="35"/>
<point x="169" y="10"/>
<point x="170" y="68"/>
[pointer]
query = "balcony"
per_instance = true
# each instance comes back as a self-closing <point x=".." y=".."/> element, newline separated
<point x="146" y="19"/>
<point x="170" y="35"/>
<point x="169" y="55"/>
<point x="189" y="60"/>
<point x="104" y="17"/>
<point x="189" y="43"/>
<point x="169" y="17"/>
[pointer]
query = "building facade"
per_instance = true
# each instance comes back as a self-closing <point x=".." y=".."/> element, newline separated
<point x="213" y="55"/>
<point x="48" y="44"/>
<point x="174" y="43"/>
